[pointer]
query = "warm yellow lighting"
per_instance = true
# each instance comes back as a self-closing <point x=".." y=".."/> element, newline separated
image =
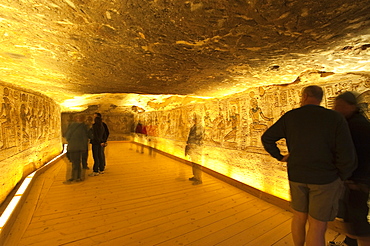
<point x="21" y="190"/>
<point x="146" y="102"/>
<point x="77" y="108"/>
<point x="8" y="211"/>
<point x="24" y="186"/>
<point x="73" y="104"/>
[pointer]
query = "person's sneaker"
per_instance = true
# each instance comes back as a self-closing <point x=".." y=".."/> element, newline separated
<point x="94" y="174"/>
<point x="333" y="243"/>
<point x="78" y="180"/>
<point x="101" y="172"/>
<point x="192" y="179"/>
<point x="350" y="241"/>
<point x="68" y="181"/>
<point x="197" y="182"/>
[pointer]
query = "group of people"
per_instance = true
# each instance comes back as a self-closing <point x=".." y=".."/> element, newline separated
<point x="78" y="135"/>
<point x="328" y="164"/>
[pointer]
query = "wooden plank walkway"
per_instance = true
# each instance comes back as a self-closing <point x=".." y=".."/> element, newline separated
<point x="145" y="200"/>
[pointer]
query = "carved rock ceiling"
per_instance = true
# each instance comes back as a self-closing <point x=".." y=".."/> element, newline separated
<point x="87" y="49"/>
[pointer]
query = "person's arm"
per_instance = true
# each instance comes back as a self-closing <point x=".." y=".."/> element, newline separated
<point x="68" y="133"/>
<point x="103" y="137"/>
<point x="345" y="155"/>
<point x="106" y="131"/>
<point x="188" y="142"/>
<point x="271" y="136"/>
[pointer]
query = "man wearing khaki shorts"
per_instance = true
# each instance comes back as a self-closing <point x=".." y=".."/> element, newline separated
<point x="321" y="155"/>
<point x="317" y="200"/>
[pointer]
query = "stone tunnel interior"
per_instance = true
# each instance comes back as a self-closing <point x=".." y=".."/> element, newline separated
<point x="239" y="64"/>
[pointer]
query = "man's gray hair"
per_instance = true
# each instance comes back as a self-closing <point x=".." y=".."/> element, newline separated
<point x="314" y="91"/>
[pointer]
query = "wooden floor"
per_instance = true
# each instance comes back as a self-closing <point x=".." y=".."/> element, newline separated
<point x="145" y="199"/>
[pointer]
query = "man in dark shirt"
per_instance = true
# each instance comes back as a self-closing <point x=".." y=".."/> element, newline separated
<point x="321" y="155"/>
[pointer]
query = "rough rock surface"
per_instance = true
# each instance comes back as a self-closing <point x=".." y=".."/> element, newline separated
<point x="68" y="48"/>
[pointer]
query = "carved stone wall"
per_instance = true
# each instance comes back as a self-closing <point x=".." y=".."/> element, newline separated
<point x="119" y="122"/>
<point x="29" y="134"/>
<point x="233" y="128"/>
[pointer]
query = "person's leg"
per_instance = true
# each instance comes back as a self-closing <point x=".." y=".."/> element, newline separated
<point x="100" y="150"/>
<point x="75" y="159"/>
<point x="99" y="154"/>
<point x="316" y="232"/>
<point x="137" y="142"/>
<point x="323" y="207"/>
<point x="84" y="159"/>
<point x="363" y="241"/>
<point x="103" y="156"/>
<point x="350" y="241"/>
<point x="68" y="155"/>
<point x="95" y="152"/>
<point x="298" y="228"/>
<point x="78" y="165"/>
<point x="197" y="172"/>
<point x="150" y="146"/>
<point x="299" y="193"/>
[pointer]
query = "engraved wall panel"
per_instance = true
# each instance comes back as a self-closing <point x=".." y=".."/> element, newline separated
<point x="233" y="128"/>
<point x="29" y="134"/>
<point x="119" y="122"/>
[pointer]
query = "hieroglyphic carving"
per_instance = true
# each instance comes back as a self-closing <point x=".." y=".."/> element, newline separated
<point x="233" y="128"/>
<point x="26" y="119"/>
<point x="232" y="122"/>
<point x="218" y="127"/>
<point x="238" y="122"/>
<point x="7" y="116"/>
<point x="364" y="103"/>
<point x="259" y="120"/>
<point x="182" y="125"/>
<point x="120" y="124"/>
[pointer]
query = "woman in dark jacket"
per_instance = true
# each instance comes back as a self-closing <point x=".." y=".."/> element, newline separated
<point x="97" y="136"/>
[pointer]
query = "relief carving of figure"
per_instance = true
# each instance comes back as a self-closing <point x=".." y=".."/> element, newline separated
<point x="182" y="125"/>
<point x="257" y="127"/>
<point x="283" y="98"/>
<point x="219" y="128"/>
<point x="24" y="114"/>
<point x="41" y="120"/>
<point x="207" y="126"/>
<point x="169" y="126"/>
<point x="233" y="121"/>
<point x="364" y="103"/>
<point x="7" y="128"/>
